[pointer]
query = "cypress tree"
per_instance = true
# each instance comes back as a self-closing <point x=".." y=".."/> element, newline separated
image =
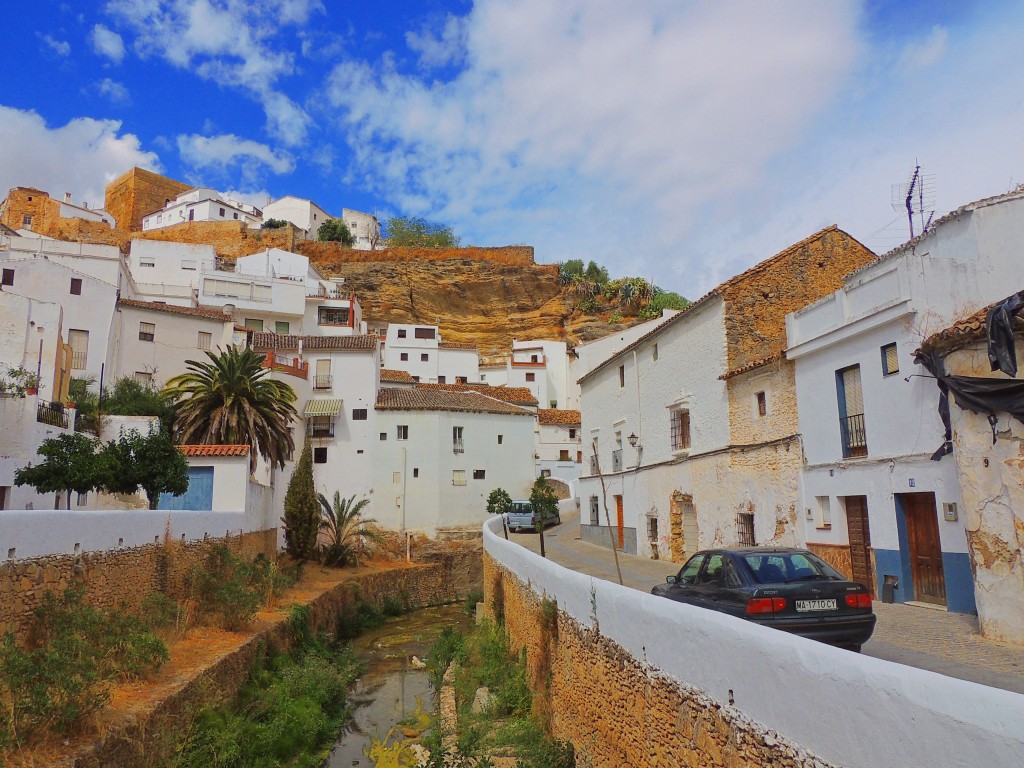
<point x="301" y="510"/>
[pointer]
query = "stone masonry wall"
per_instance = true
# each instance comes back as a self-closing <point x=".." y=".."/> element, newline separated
<point x="616" y="713"/>
<point x="119" y="578"/>
<point x="137" y="193"/>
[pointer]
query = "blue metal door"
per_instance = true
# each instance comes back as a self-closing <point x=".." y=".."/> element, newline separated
<point x="199" y="495"/>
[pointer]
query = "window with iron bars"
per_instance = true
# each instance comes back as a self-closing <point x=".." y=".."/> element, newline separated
<point x="680" y="430"/>
<point x="594" y="511"/>
<point x="745" y="529"/>
<point x="320" y="426"/>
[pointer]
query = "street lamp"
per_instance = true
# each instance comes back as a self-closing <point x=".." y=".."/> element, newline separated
<point x="633" y="439"/>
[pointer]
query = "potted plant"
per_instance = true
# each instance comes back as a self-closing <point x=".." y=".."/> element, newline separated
<point x="18" y="382"/>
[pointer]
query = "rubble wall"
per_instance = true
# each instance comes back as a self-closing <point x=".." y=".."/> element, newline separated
<point x="635" y="680"/>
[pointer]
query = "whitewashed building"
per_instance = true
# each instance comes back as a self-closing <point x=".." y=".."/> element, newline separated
<point x="202" y="204"/>
<point x="440" y="453"/>
<point x="874" y="502"/>
<point x="304" y="214"/>
<point x="420" y="350"/>
<point x="542" y="366"/>
<point x="365" y="228"/>
<point x="559" y="447"/>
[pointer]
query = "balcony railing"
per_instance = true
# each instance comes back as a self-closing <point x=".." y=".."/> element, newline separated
<point x="617" y="460"/>
<point x="52" y="414"/>
<point x="855" y="436"/>
<point x="292" y="366"/>
<point x="323" y="381"/>
<point x="457" y="446"/>
<point x="315" y="430"/>
<point x="78" y="361"/>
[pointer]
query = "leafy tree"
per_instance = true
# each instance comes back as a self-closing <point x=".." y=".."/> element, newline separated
<point x="232" y="400"/>
<point x="301" y="509"/>
<point x="128" y="396"/>
<point x="86" y="402"/>
<point x="345" y="525"/>
<point x="596" y="273"/>
<point x="543" y="500"/>
<point x="335" y="231"/>
<point x="663" y="300"/>
<point x="570" y="270"/>
<point x="274" y="224"/>
<point x="151" y="462"/>
<point x="413" y="231"/>
<point x="71" y="462"/>
<point x="498" y="502"/>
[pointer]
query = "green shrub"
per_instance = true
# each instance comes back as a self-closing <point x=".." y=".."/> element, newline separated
<point x="474" y="597"/>
<point x="160" y="612"/>
<point x="450" y="646"/>
<point x="74" y="654"/>
<point x="228" y="587"/>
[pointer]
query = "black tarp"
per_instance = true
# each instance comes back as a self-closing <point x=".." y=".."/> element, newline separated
<point x="999" y="327"/>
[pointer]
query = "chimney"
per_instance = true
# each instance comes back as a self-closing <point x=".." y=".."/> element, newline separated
<point x="67" y="197"/>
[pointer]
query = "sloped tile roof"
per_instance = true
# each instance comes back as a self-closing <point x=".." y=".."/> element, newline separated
<point x="421" y="399"/>
<point x="558" y="416"/>
<point x="281" y="341"/>
<point x="516" y="395"/>
<point x="214" y="450"/>
<point x="964" y="331"/>
<point x="210" y="313"/>
<point x="388" y="374"/>
<point x="751" y="365"/>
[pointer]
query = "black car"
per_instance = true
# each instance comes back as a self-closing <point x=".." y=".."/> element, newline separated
<point x="788" y="589"/>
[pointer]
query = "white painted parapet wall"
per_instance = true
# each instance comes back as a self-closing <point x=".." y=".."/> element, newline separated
<point x="849" y="709"/>
<point x="41" y="532"/>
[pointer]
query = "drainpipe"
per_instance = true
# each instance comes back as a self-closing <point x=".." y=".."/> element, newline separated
<point x="404" y="474"/>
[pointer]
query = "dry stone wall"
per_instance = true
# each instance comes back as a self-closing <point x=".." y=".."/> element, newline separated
<point x="119" y="578"/>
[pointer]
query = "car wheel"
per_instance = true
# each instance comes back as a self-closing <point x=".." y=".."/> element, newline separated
<point x="855" y="647"/>
<point x="558" y="519"/>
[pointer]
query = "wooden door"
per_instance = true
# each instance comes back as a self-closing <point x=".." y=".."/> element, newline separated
<point x="860" y="540"/>
<point x="620" y="521"/>
<point x="925" y="550"/>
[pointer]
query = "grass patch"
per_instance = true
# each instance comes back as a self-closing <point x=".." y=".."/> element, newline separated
<point x="230" y="589"/>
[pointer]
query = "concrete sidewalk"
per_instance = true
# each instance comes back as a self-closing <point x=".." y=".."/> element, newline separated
<point x="947" y="643"/>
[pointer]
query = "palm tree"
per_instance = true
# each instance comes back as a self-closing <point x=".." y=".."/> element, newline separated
<point x="231" y="400"/>
<point x="345" y="528"/>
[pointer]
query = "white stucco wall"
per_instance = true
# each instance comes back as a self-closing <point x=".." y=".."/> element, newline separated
<point x="20" y="437"/>
<point x="431" y="501"/>
<point x="364" y="227"/>
<point x="100" y="261"/>
<point x="849" y="709"/>
<point x="30" y="337"/>
<point x="169" y="272"/>
<point x="304" y="214"/>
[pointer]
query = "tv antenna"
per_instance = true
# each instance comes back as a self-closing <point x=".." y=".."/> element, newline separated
<point x="917" y="198"/>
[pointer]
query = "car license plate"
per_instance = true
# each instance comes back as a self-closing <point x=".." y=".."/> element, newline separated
<point x="815" y="605"/>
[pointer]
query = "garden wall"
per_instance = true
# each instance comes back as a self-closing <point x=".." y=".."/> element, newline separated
<point x="636" y="680"/>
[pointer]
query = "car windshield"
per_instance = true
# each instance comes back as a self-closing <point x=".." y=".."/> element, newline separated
<point x="521" y="506"/>
<point x="784" y="567"/>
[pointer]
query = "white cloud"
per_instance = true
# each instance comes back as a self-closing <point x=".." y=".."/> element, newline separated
<point x="436" y="49"/>
<point x="226" y="152"/>
<point x="594" y="132"/>
<point x="925" y="54"/>
<point x="113" y="90"/>
<point x="79" y="157"/>
<point x="232" y="43"/>
<point x="106" y="42"/>
<point x="60" y="48"/>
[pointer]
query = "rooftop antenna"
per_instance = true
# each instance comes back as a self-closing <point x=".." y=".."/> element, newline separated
<point x="917" y="198"/>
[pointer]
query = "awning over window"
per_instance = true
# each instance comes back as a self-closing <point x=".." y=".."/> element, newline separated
<point x="322" y="407"/>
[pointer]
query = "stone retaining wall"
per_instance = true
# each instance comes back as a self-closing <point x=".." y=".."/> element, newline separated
<point x="119" y="578"/>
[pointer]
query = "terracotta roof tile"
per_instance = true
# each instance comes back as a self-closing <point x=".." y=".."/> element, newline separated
<point x="751" y="365"/>
<point x="214" y="450"/>
<point x="387" y="374"/>
<point x="558" y="416"/>
<point x="964" y="331"/>
<point x="422" y="399"/>
<point x="516" y="395"/>
<point x="280" y="341"/>
<point x="210" y="313"/>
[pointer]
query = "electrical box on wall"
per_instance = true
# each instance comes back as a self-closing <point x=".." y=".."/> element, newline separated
<point x="810" y="513"/>
<point x="949" y="513"/>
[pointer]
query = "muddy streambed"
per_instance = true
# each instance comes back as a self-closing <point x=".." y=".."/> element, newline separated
<point x="395" y="687"/>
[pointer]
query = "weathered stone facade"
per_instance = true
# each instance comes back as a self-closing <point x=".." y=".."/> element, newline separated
<point x="137" y="193"/>
<point x="119" y="578"/>
<point x="616" y="712"/>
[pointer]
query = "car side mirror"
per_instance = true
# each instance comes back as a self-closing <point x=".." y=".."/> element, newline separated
<point x="671" y="579"/>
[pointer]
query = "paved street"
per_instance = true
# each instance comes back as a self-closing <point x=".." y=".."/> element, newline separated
<point x="947" y="643"/>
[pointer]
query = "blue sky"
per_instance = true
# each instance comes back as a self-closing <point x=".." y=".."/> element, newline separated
<point x="680" y="141"/>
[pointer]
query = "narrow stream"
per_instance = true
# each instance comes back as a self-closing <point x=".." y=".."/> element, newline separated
<point x="394" y="688"/>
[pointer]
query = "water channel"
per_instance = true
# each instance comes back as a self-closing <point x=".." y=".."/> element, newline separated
<point x="395" y="687"/>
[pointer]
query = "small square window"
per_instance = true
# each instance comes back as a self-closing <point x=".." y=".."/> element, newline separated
<point x="415" y="471"/>
<point x="531" y="377"/>
<point x="442" y="380"/>
<point x="622" y="376"/>
<point x="282" y="327"/>
<point x="320" y="455"/>
<point x="76" y="286"/>
<point x="404" y="356"/>
<point x="402" y="432"/>
<point x="890" y="360"/>
<point x="572" y="433"/>
<point x="358" y="414"/>
<point x="383" y="435"/>
<point x="500" y="439"/>
<point x="458" y="477"/>
<point x="479" y="474"/>
<point x="424" y="357"/>
<point x="401" y="333"/>
<point x="144" y="377"/>
<point x="236" y="214"/>
<point x="8" y="277"/>
<point x="463" y="379"/>
<point x="254" y="323"/>
<point x="147" y="331"/>
<point x="26" y="221"/>
<point x="150" y="262"/>
<point x="222" y="213"/>
<point x="205" y="340"/>
<point x="762" y="404"/>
